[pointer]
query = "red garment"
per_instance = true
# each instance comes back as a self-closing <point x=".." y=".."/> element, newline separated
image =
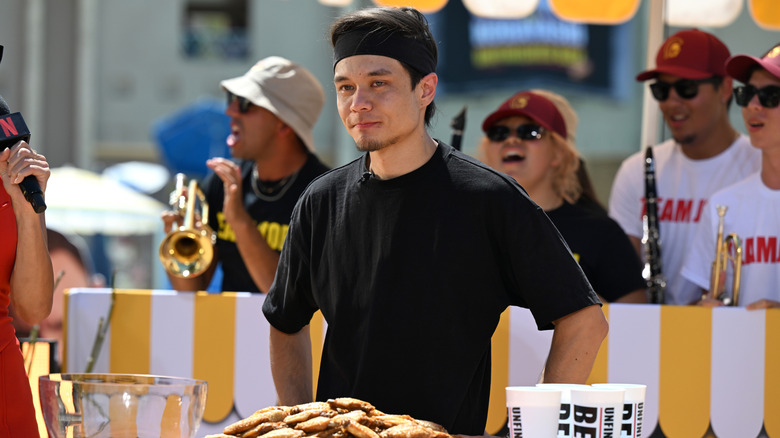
<point x="17" y="413"/>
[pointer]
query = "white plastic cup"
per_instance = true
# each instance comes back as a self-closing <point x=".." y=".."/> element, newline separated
<point x="566" y="417"/>
<point x="633" y="407"/>
<point x="597" y="412"/>
<point x="532" y="411"/>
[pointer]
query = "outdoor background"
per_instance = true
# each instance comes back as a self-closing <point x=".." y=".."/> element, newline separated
<point x="104" y="83"/>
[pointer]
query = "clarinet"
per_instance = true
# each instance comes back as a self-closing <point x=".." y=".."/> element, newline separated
<point x="651" y="237"/>
<point x="458" y="124"/>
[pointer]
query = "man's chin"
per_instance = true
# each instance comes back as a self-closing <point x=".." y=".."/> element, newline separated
<point x="684" y="140"/>
<point x="369" y="145"/>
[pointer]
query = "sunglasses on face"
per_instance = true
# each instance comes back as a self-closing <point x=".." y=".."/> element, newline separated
<point x="243" y="103"/>
<point x="529" y="131"/>
<point x="768" y="97"/>
<point x="685" y="88"/>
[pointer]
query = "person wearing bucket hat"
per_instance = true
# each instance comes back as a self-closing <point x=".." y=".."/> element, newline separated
<point x="531" y="137"/>
<point x="273" y="108"/>
<point x="704" y="153"/>
<point x="753" y="204"/>
<point x="413" y="250"/>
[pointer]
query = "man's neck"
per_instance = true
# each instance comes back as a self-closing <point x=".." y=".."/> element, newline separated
<point x="282" y="163"/>
<point x="399" y="159"/>
<point x="711" y="144"/>
<point x="770" y="169"/>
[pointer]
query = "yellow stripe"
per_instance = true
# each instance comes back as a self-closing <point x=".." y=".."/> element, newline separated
<point x="170" y="424"/>
<point x="771" y="376"/>
<point x="500" y="373"/>
<point x="599" y="372"/>
<point x="131" y="332"/>
<point x="684" y="377"/>
<point x="214" y="352"/>
<point x="37" y="362"/>
<point x="316" y="332"/>
<point x="64" y="340"/>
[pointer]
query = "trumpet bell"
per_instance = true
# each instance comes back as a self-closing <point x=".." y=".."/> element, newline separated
<point x="187" y="253"/>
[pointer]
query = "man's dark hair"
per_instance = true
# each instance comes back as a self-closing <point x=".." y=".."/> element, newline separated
<point x="405" y="21"/>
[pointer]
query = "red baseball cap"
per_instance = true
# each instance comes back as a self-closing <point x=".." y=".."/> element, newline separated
<point x="689" y="54"/>
<point x="532" y="105"/>
<point x="740" y="66"/>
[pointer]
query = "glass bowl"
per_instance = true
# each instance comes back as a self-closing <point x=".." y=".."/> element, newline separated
<point x="121" y="405"/>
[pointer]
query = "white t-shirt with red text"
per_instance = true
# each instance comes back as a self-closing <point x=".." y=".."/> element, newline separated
<point x="683" y="187"/>
<point x="754" y="215"/>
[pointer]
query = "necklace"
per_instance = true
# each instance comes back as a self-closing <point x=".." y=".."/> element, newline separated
<point x="274" y="190"/>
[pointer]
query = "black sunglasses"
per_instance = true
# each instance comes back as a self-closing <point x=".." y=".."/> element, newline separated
<point x="243" y="102"/>
<point x="768" y="97"/>
<point x="685" y="88"/>
<point x="528" y="131"/>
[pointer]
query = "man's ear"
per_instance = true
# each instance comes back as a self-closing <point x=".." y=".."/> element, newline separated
<point x="427" y="87"/>
<point x="726" y="88"/>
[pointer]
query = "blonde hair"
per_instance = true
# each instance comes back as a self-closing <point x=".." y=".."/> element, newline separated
<point x="565" y="182"/>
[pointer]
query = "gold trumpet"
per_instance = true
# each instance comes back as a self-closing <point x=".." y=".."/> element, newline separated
<point x="723" y="255"/>
<point x="187" y="251"/>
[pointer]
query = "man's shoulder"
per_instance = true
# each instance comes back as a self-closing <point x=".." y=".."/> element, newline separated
<point x="636" y="161"/>
<point x="744" y="150"/>
<point x="473" y="171"/>
<point x="743" y="188"/>
<point x="329" y="179"/>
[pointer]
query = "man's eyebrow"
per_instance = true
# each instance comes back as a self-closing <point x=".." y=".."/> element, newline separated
<point x="379" y="72"/>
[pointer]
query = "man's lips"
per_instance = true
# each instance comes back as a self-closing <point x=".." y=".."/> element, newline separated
<point x="364" y="124"/>
<point x="234" y="136"/>
<point x="676" y="119"/>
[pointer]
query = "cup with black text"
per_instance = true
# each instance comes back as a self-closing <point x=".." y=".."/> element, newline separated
<point x="566" y="416"/>
<point x="597" y="412"/>
<point x="633" y="407"/>
<point x="532" y="411"/>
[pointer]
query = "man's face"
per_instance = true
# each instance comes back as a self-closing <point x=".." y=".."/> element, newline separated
<point x="691" y="120"/>
<point x="763" y="124"/>
<point x="376" y="101"/>
<point x="251" y="133"/>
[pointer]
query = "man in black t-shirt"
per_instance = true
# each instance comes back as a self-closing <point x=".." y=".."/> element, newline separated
<point x="414" y="250"/>
<point x="273" y="108"/>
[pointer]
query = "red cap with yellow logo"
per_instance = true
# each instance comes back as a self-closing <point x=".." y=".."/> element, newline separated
<point x="740" y="66"/>
<point x="689" y="54"/>
<point x="532" y="105"/>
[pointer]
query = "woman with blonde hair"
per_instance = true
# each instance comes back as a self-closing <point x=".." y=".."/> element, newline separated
<point x="531" y="137"/>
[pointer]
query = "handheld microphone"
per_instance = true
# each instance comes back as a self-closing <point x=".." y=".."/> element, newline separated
<point x="12" y="130"/>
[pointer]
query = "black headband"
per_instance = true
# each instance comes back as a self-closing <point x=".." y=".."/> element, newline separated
<point x="393" y="45"/>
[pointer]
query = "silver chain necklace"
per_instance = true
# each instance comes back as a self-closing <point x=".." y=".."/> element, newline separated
<point x="271" y="193"/>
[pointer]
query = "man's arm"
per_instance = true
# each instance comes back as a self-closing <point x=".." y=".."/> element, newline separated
<point x="291" y="366"/>
<point x="259" y="258"/>
<point x="638" y="296"/>
<point x="575" y="342"/>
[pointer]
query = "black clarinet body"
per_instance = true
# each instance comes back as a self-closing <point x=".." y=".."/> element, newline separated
<point x="651" y="237"/>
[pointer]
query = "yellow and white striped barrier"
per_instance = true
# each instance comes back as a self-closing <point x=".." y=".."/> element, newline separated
<point x="703" y="368"/>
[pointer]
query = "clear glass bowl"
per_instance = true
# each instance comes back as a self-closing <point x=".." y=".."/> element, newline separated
<point x="121" y="405"/>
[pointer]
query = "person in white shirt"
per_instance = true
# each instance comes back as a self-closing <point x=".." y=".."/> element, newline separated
<point x="753" y="204"/>
<point x="704" y="154"/>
